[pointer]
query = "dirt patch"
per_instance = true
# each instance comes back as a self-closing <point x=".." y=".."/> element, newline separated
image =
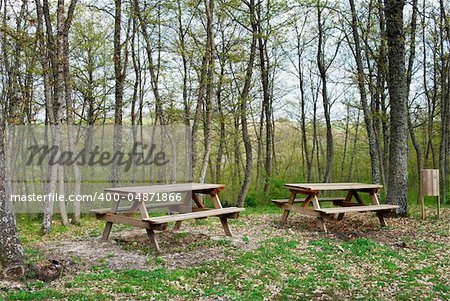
<point x="85" y="254"/>
<point x="198" y="243"/>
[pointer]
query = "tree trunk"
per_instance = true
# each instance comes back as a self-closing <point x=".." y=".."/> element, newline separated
<point x="409" y="73"/>
<point x="209" y="6"/>
<point x="398" y="147"/>
<point x="325" y="99"/>
<point x="243" y="99"/>
<point x="445" y="101"/>
<point x="266" y="101"/>
<point x="11" y="251"/>
<point x="303" y="110"/>
<point x="373" y="152"/>
<point x="119" y="77"/>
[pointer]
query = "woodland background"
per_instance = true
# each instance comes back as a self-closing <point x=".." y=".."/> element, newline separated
<point x="274" y="91"/>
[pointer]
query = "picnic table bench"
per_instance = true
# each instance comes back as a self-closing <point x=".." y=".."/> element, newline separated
<point x="345" y="205"/>
<point x="124" y="215"/>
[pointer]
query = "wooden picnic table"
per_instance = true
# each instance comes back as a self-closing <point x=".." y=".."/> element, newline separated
<point x="123" y="215"/>
<point x="345" y="204"/>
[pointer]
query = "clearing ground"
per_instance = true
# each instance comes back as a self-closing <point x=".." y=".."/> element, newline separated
<point x="357" y="260"/>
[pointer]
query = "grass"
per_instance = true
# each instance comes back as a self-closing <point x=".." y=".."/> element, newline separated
<point x="277" y="266"/>
<point x="292" y="264"/>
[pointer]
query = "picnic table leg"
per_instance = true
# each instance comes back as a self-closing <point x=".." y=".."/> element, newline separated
<point x="340" y="216"/>
<point x="177" y="225"/>
<point x="187" y="201"/>
<point x="108" y="225"/>
<point x="107" y="231"/>
<point x="381" y="218"/>
<point x="152" y="236"/>
<point x="286" y="212"/>
<point x="322" y="224"/>
<point x="226" y="227"/>
<point x="438" y="206"/>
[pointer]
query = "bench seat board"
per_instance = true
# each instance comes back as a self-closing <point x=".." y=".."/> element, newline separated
<point x="125" y="209"/>
<point x="303" y="200"/>
<point x="374" y="208"/>
<point x="193" y="215"/>
<point x="121" y="219"/>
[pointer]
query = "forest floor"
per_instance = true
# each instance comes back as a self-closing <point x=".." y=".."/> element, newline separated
<point x="357" y="260"/>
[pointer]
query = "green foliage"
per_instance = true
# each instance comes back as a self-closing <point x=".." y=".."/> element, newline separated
<point x="284" y="266"/>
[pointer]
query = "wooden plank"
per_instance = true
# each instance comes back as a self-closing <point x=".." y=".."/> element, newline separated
<point x="193" y="215"/>
<point x="126" y="209"/>
<point x="345" y="204"/>
<point x="333" y="186"/>
<point x="303" y="200"/>
<point x="121" y="219"/>
<point x="298" y="209"/>
<point x="358" y="209"/>
<point x="167" y="188"/>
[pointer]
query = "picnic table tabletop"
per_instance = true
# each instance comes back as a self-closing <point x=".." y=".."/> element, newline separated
<point x="165" y="188"/>
<point x="333" y="186"/>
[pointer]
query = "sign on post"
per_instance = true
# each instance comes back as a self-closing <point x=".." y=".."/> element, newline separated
<point x="430" y="187"/>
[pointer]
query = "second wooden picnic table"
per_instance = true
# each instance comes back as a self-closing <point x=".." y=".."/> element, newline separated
<point x="138" y="196"/>
<point x="346" y="204"/>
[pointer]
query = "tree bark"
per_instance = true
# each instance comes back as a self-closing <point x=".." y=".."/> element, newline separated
<point x="243" y="100"/>
<point x="398" y="147"/>
<point x="409" y="74"/>
<point x="119" y="76"/>
<point x="373" y="152"/>
<point x="325" y="99"/>
<point x="209" y="6"/>
<point x="11" y="251"/>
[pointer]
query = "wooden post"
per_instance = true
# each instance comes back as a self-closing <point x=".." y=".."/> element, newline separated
<point x="430" y="187"/>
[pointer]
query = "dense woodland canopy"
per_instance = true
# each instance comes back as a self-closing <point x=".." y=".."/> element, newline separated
<point x="274" y="91"/>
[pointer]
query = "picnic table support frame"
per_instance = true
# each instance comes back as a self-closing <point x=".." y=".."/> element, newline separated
<point x="151" y="225"/>
<point x="312" y="197"/>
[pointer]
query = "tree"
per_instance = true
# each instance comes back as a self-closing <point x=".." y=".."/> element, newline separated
<point x="243" y="100"/>
<point x="53" y="49"/>
<point x="11" y="251"/>
<point x="398" y="147"/>
<point x="374" y="159"/>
